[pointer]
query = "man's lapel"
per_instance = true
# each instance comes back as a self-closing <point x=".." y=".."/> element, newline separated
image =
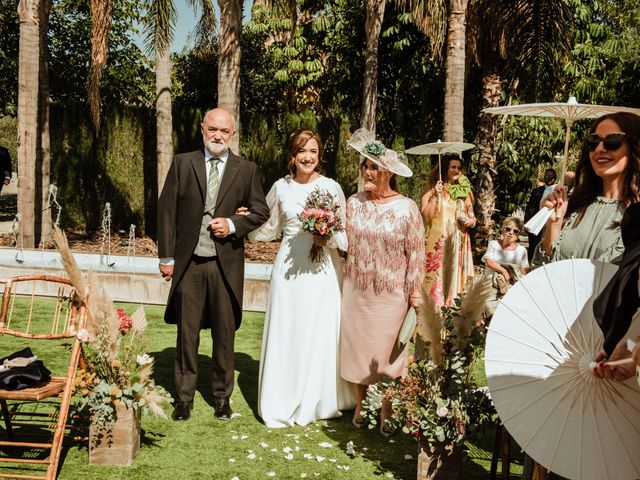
<point x="197" y="162"/>
<point x="230" y="171"/>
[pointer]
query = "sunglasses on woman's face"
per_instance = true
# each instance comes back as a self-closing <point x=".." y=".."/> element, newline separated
<point x="510" y="229"/>
<point x="611" y="142"/>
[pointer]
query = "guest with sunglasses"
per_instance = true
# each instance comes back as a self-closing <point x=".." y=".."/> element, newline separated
<point x="607" y="181"/>
<point x="505" y="259"/>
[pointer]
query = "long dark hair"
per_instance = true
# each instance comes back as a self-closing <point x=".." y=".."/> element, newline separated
<point x="298" y="140"/>
<point x="445" y="160"/>
<point x="589" y="185"/>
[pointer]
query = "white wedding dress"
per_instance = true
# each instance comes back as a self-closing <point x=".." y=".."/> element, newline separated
<point x="299" y="378"/>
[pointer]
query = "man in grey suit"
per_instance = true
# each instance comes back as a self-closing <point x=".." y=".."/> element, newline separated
<point x="201" y="250"/>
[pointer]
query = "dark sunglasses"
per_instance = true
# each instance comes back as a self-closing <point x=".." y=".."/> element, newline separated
<point x="509" y="230"/>
<point x="611" y="142"/>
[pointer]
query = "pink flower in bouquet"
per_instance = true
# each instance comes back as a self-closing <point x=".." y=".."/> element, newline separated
<point x="125" y="321"/>
<point x="319" y="217"/>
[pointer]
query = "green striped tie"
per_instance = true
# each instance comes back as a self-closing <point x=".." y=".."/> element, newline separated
<point x="212" y="183"/>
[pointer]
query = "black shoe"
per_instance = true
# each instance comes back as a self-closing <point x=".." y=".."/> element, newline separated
<point x="182" y="411"/>
<point x="222" y="409"/>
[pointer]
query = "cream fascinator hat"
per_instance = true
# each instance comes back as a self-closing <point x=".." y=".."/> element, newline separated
<point x="365" y="143"/>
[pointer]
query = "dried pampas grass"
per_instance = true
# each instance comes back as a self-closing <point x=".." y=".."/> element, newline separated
<point x="449" y="261"/>
<point x="472" y="306"/>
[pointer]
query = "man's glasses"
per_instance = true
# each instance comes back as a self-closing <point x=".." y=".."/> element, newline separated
<point x="611" y="142"/>
<point x="509" y="230"/>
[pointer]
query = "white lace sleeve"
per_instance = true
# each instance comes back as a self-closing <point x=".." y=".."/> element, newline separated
<point x="273" y="228"/>
<point x="339" y="239"/>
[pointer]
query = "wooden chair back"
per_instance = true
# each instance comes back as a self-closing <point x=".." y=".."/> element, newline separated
<point x="44" y="313"/>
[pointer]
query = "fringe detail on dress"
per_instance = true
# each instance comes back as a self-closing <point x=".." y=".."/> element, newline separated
<point x="386" y="247"/>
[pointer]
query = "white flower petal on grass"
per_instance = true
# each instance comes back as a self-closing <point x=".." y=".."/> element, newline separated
<point x="288" y="456"/>
<point x="346" y="467"/>
<point x="251" y="456"/>
<point x="303" y="475"/>
<point x="319" y="458"/>
<point x="388" y="474"/>
<point x="408" y="457"/>
<point x="236" y="415"/>
<point x="274" y="450"/>
<point x="297" y="448"/>
<point x="263" y="445"/>
<point x="234" y="437"/>
<point x="332" y="460"/>
<point x="232" y="460"/>
<point x="244" y="437"/>
<point x="286" y="450"/>
<point x="364" y="449"/>
<point x="326" y="444"/>
<point x="235" y="478"/>
<point x="271" y="474"/>
<point x="307" y="456"/>
<point x="316" y="474"/>
<point x="331" y="430"/>
<point x="351" y="448"/>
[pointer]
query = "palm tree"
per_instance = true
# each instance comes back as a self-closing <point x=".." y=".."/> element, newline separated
<point x="42" y="224"/>
<point x="229" y="56"/>
<point x="373" y="24"/>
<point x="455" y="71"/>
<point x="534" y="34"/>
<point x="28" y="68"/>
<point x="159" y="28"/>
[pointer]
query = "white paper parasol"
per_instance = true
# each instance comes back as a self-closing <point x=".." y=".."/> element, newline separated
<point x="570" y="112"/>
<point x="539" y="346"/>
<point x="438" y="148"/>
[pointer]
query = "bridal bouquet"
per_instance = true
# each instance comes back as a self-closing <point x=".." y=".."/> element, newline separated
<point x="320" y="217"/>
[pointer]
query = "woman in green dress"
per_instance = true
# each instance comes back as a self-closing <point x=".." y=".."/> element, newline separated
<point x="587" y="225"/>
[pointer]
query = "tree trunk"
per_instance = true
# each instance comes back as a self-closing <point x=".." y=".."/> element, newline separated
<point x="492" y="86"/>
<point x="43" y="162"/>
<point x="373" y="25"/>
<point x="229" y="62"/>
<point x="28" y="67"/>
<point x="164" y="139"/>
<point x="455" y="66"/>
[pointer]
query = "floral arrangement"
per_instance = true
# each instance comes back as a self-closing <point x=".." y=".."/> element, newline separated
<point x="438" y="401"/>
<point x="320" y="217"/>
<point x="118" y="368"/>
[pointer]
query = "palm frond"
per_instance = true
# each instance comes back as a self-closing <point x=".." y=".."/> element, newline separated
<point x="430" y="16"/>
<point x="207" y="25"/>
<point x="159" y="25"/>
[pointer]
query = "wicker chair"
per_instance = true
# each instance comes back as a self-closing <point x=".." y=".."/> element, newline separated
<point x="44" y="313"/>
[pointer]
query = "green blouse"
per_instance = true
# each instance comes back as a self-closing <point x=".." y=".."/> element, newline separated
<point x="594" y="237"/>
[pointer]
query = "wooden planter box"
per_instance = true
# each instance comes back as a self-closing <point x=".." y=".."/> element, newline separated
<point x="438" y="463"/>
<point x="117" y="444"/>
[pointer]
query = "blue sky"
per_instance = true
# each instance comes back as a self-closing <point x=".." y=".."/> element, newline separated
<point x="187" y="21"/>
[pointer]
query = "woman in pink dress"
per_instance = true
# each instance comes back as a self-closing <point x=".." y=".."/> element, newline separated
<point x="384" y="272"/>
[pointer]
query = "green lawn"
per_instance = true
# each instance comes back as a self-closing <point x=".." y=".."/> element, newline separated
<point x="206" y="448"/>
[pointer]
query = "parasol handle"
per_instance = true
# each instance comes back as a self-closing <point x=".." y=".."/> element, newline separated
<point x="565" y="156"/>
<point x="624" y="361"/>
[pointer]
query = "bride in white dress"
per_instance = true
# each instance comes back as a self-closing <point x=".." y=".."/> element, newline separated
<point x="299" y="379"/>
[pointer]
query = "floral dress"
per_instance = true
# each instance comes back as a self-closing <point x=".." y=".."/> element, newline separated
<point x="443" y="226"/>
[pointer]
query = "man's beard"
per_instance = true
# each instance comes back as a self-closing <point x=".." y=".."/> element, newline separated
<point x="215" y="149"/>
